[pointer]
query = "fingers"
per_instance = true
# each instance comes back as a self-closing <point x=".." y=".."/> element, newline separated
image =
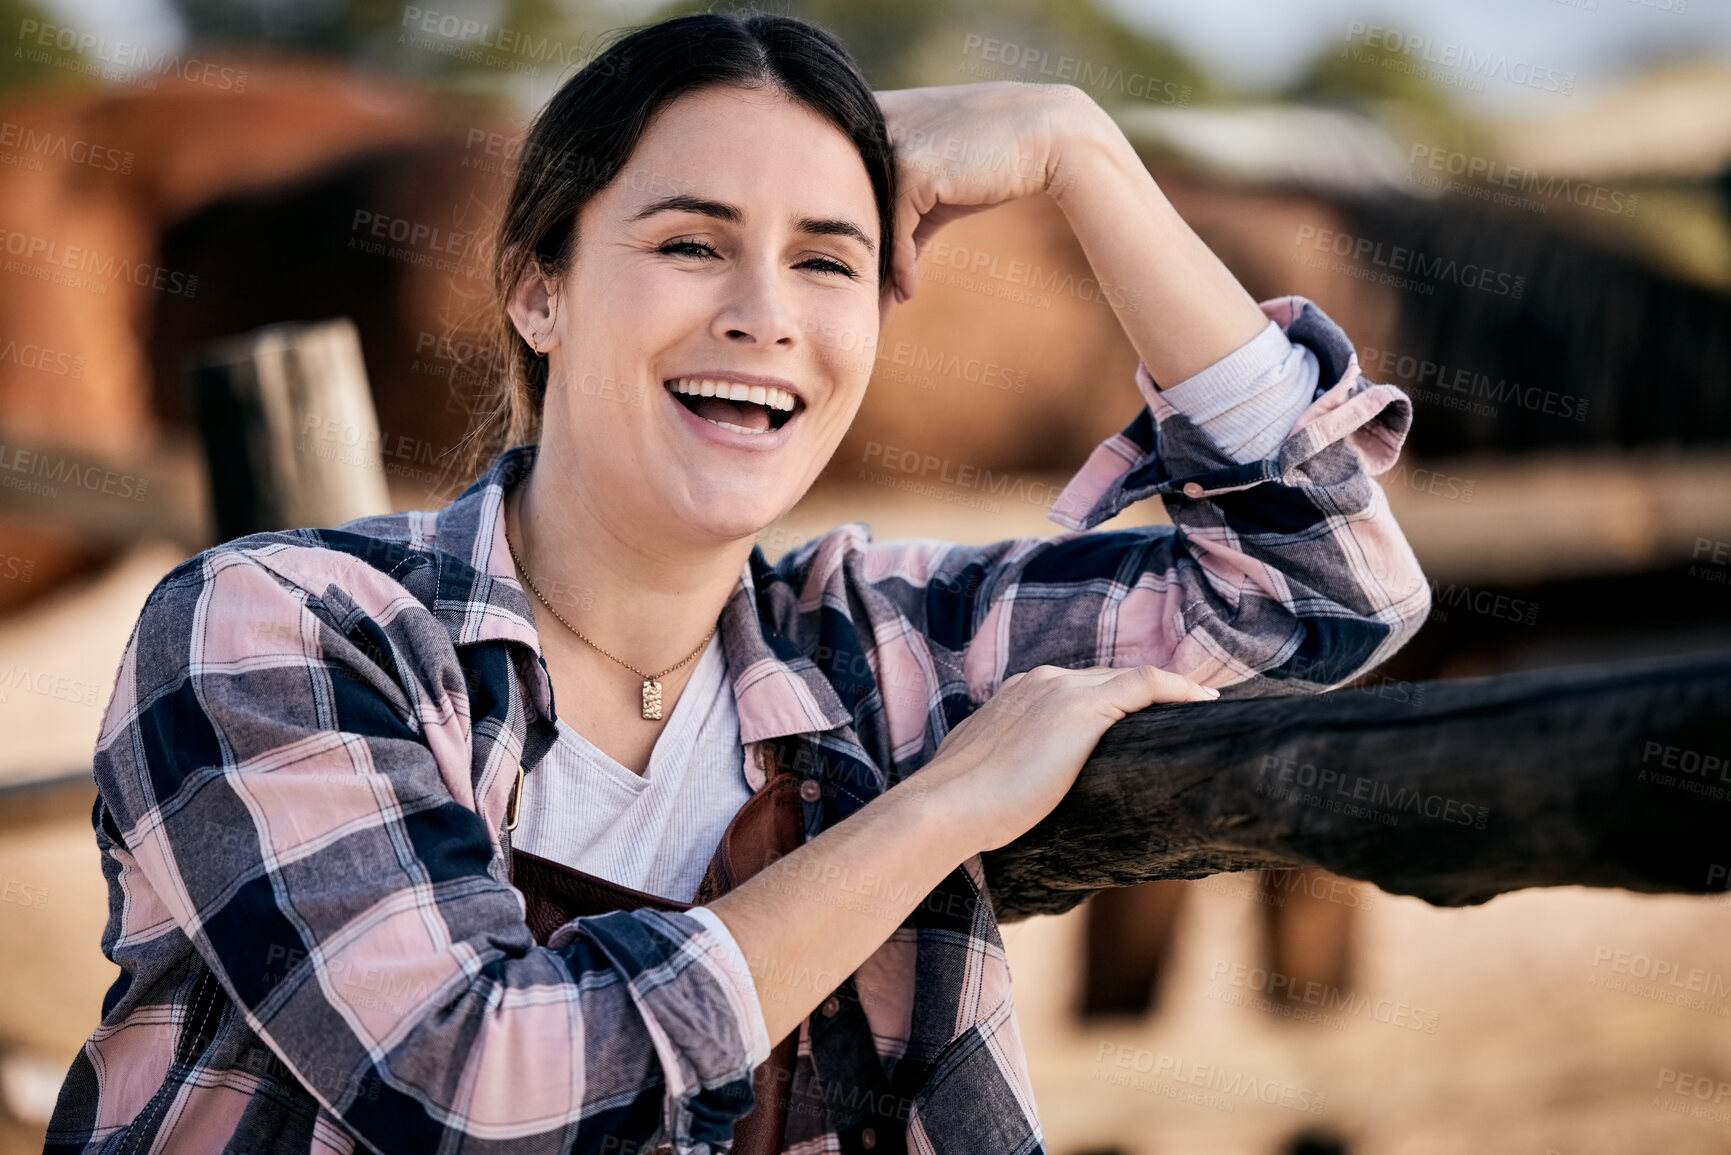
<point x="902" y="264"/>
<point x="1170" y="687"/>
<point x="902" y="257"/>
<point x="1135" y="688"/>
<point x="1155" y="683"/>
<point x="906" y="259"/>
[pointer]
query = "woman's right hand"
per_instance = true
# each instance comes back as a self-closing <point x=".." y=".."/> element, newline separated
<point x="1008" y="764"/>
<point x="824" y="908"/>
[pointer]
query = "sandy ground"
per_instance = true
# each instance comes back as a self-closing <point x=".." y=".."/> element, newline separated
<point x="1485" y="1030"/>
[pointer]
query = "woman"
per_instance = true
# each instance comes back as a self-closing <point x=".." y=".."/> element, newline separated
<point x="320" y="740"/>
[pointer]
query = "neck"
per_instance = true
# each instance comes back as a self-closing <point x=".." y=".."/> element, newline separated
<point x="645" y="599"/>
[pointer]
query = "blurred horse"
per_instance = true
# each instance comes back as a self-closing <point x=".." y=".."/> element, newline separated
<point x="94" y="178"/>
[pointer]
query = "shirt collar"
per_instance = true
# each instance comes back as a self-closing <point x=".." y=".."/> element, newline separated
<point x="777" y="687"/>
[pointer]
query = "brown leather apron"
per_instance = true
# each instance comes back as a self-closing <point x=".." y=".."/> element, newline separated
<point x="769" y="825"/>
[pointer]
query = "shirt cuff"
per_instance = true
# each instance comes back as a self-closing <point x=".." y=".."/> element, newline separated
<point x="757" y="1045"/>
<point x="1249" y="400"/>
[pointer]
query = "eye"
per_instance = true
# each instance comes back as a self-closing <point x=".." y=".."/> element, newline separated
<point x="687" y="246"/>
<point x="690" y="247"/>
<point x="830" y="265"/>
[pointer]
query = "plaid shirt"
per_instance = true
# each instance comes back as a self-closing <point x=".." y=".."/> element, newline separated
<point x="304" y="769"/>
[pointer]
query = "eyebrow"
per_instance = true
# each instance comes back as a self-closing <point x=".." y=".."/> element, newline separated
<point x="722" y="211"/>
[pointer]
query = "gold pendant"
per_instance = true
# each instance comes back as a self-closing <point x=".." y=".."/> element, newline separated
<point x="651" y="699"/>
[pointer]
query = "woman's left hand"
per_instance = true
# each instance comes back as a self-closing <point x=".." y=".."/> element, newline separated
<point x="961" y="148"/>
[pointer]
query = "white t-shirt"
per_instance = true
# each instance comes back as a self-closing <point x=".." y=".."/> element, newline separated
<point x="656" y="831"/>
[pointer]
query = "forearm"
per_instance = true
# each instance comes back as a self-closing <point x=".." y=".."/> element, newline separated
<point x="808" y="920"/>
<point x="1182" y="309"/>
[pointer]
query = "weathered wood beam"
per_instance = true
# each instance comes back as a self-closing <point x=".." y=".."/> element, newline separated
<point x="26" y="805"/>
<point x="1455" y="791"/>
<point x="98" y="500"/>
<point x="289" y="429"/>
<point x="287" y="437"/>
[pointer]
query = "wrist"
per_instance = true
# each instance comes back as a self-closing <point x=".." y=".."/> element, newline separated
<point x="929" y="805"/>
<point x="1086" y="142"/>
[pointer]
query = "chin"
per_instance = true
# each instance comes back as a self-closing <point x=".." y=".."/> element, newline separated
<point x="733" y="523"/>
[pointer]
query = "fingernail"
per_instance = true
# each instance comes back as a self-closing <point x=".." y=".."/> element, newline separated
<point x="1211" y="691"/>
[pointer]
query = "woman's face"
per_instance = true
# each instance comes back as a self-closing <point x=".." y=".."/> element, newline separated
<point x="738" y="245"/>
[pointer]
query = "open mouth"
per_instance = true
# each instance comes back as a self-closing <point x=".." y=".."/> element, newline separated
<point x="741" y="408"/>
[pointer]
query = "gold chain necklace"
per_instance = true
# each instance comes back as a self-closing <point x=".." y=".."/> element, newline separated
<point x="651" y="682"/>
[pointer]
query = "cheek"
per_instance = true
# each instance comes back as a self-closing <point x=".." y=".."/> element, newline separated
<point x="844" y="336"/>
<point x="642" y="306"/>
<point x="617" y="333"/>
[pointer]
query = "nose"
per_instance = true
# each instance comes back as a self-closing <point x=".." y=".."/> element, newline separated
<point x="756" y="309"/>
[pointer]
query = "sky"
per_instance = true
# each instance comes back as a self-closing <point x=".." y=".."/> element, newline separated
<point x="1262" y="44"/>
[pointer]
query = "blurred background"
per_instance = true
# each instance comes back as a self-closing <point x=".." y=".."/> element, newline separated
<point x="177" y="176"/>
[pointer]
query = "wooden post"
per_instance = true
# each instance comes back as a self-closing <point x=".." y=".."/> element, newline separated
<point x="289" y="429"/>
<point x="1454" y="791"/>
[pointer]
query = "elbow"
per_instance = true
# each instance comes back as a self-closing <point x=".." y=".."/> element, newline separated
<point x="1399" y="613"/>
<point x="1407" y="594"/>
<point x="1393" y="592"/>
<point x="1337" y="647"/>
<point x="1416" y="612"/>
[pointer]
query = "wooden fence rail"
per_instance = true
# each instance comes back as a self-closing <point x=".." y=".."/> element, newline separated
<point x="1453" y="791"/>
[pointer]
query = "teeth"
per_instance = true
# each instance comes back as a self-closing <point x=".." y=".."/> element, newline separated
<point x="738" y="428"/>
<point x="768" y="395"/>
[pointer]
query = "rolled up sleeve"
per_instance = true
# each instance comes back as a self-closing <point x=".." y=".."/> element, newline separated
<point x="1283" y="569"/>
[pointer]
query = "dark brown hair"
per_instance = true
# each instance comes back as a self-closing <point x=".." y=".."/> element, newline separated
<point x="582" y="139"/>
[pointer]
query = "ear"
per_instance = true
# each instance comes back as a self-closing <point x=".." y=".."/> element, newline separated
<point x="534" y="308"/>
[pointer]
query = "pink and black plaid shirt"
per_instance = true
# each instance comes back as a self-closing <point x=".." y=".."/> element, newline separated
<point x="304" y="769"/>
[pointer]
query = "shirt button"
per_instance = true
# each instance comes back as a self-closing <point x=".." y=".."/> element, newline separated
<point x="1192" y="489"/>
<point x="810" y="790"/>
<point x="868" y="1138"/>
<point x="830" y="1006"/>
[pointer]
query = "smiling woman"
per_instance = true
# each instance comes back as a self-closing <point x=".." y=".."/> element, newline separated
<point x="368" y="889"/>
